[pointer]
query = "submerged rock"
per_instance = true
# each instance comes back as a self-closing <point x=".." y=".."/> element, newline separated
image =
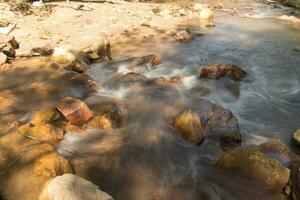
<point x="74" y="110"/>
<point x="52" y="165"/>
<point x="255" y="164"/>
<point x="73" y="187"/>
<point x="276" y="149"/>
<point x="189" y="125"/>
<point x="42" y="132"/>
<point x="296" y="137"/>
<point x="217" y="71"/>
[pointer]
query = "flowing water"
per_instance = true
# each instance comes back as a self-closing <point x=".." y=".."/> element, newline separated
<point x="149" y="160"/>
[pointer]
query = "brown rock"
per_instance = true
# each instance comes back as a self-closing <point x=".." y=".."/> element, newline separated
<point x="276" y="149"/>
<point x="183" y="36"/>
<point x="52" y="165"/>
<point x="74" y="110"/>
<point x="99" y="51"/>
<point x="4" y="39"/>
<point x="217" y="71"/>
<point x="189" y="125"/>
<point x="43" y="131"/>
<point x="70" y="128"/>
<point x="255" y="164"/>
<point x="100" y="121"/>
<point x="8" y="50"/>
<point x="296" y="137"/>
<point x="47" y="115"/>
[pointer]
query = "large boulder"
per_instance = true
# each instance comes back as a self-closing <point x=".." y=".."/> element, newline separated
<point x="52" y="165"/>
<point x="189" y="125"/>
<point x="74" y="110"/>
<point x="42" y="132"/>
<point x="73" y="187"/>
<point x="296" y="137"/>
<point x="251" y="162"/>
<point x="217" y="71"/>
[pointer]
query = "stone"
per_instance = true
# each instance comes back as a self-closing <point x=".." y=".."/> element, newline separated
<point x="141" y="64"/>
<point x="206" y="14"/>
<point x="183" y="36"/>
<point x="99" y="51"/>
<point x="217" y="71"/>
<point x="3" y="58"/>
<point x="255" y="164"/>
<point x="42" y="132"/>
<point x="47" y="115"/>
<point x="69" y="186"/>
<point x="276" y="149"/>
<point x="74" y="110"/>
<point x="219" y="123"/>
<point x="70" y="128"/>
<point x="4" y="39"/>
<point x="189" y="125"/>
<point x="296" y="137"/>
<point x="295" y="179"/>
<point x="8" y="50"/>
<point x="70" y="58"/>
<point x="100" y="122"/>
<point x="51" y="165"/>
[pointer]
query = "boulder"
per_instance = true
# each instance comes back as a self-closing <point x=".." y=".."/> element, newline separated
<point x="276" y="149"/>
<point x="69" y="186"/>
<point x="51" y="165"/>
<point x="189" y="125"/>
<point x="219" y="123"/>
<point x="99" y="51"/>
<point x="74" y="110"/>
<point x="206" y="14"/>
<point x="100" y="122"/>
<point x="253" y="163"/>
<point x="42" y="131"/>
<point x="296" y="137"/>
<point x="8" y="50"/>
<point x="70" y="58"/>
<point x="217" y="71"/>
<point x="3" y="58"/>
<point x="6" y="39"/>
<point x="47" y="115"/>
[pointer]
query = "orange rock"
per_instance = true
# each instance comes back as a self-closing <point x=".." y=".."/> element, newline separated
<point x="42" y="131"/>
<point x="74" y="110"/>
<point x="217" y="71"/>
<point x="100" y="121"/>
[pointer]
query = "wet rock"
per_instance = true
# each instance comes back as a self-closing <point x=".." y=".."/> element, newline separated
<point x="69" y="58"/>
<point x="183" y="36"/>
<point x="189" y="125"/>
<point x="51" y="165"/>
<point x="219" y="123"/>
<point x="296" y="137"/>
<point x="100" y="122"/>
<point x="73" y="187"/>
<point x="70" y="128"/>
<point x="217" y="71"/>
<point x="47" y="115"/>
<point x="3" y="58"/>
<point x="42" y="132"/>
<point x="255" y="164"/>
<point x="206" y="14"/>
<point x="74" y="110"/>
<point x="276" y="149"/>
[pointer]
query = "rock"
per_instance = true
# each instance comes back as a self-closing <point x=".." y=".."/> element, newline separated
<point x="74" y="110"/>
<point x="3" y="58"/>
<point x="183" y="36"/>
<point x="6" y="30"/>
<point x="8" y="50"/>
<point x="292" y="19"/>
<point x="4" y="39"/>
<point x="189" y="125"/>
<point x="99" y="51"/>
<point x="206" y="14"/>
<point x="276" y="149"/>
<point x="70" y="128"/>
<point x="70" y="58"/>
<point x="100" y="122"/>
<point x="199" y="6"/>
<point x="295" y="179"/>
<point x="47" y="115"/>
<point x="255" y="164"/>
<point x="42" y="132"/>
<point x="73" y="187"/>
<point x="217" y="71"/>
<point x="52" y="165"/>
<point x="219" y="123"/>
<point x="296" y="137"/>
